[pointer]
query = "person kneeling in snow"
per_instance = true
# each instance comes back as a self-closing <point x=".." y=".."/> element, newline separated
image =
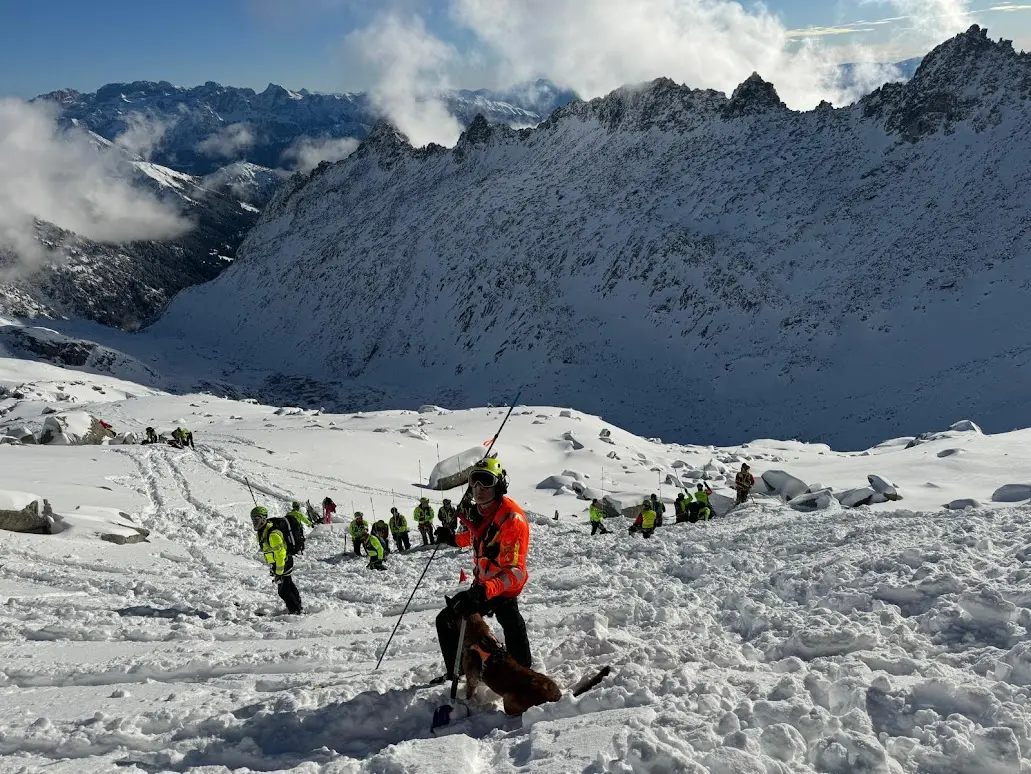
<point x="281" y="565"/>
<point x="499" y="534"/>
<point x="382" y="531"/>
<point x="645" y="522"/>
<point x="374" y="548"/>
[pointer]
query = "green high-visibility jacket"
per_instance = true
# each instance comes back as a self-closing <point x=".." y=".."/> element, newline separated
<point x="356" y="528"/>
<point x="299" y="517"/>
<point x="273" y="547"/>
<point x="373" y="547"/>
<point x="398" y="524"/>
<point x="423" y="515"/>
<point x="447" y="516"/>
<point x="701" y="497"/>
<point x="648" y="519"/>
<point x="597" y="514"/>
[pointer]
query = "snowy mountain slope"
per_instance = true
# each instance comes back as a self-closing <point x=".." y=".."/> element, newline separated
<point x="124" y="285"/>
<point x="878" y="639"/>
<point x="682" y="263"/>
<point x="192" y="120"/>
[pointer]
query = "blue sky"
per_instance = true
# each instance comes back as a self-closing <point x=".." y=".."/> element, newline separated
<point x="51" y="44"/>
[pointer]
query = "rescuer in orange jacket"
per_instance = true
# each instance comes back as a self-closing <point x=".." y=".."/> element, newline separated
<point x="499" y="534"/>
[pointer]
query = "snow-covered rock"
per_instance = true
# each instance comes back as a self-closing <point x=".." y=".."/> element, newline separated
<point x="965" y="426"/>
<point x="963" y="503"/>
<point x="557" y="482"/>
<point x="864" y="495"/>
<point x="24" y="512"/>
<point x="73" y="428"/>
<point x="568" y="436"/>
<point x="784" y="484"/>
<point x="820" y="500"/>
<point x="884" y="487"/>
<point x="1012" y="493"/>
<point x="454" y="470"/>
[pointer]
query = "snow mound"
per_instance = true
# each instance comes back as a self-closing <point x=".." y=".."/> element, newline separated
<point x="821" y="500"/>
<point x="882" y="486"/>
<point x="557" y="482"/>
<point x="865" y="495"/>
<point x="288" y="411"/>
<point x="1012" y="493"/>
<point x="431" y="409"/>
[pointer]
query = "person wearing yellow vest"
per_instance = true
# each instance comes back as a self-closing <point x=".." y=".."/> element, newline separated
<point x="645" y="522"/>
<point x="701" y="507"/>
<point x="597" y="518"/>
<point x="399" y="529"/>
<point x="374" y="548"/>
<point x="424" y="518"/>
<point x="356" y="528"/>
<point x="281" y="566"/>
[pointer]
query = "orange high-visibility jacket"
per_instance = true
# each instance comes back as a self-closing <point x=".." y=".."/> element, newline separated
<point x="499" y="550"/>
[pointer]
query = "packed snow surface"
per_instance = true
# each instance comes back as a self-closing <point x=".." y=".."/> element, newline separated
<point x="890" y="638"/>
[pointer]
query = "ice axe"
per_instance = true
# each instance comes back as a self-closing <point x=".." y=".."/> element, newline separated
<point x="442" y="714"/>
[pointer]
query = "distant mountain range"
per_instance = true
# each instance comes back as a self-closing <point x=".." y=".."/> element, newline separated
<point x="198" y="130"/>
<point x="669" y="258"/>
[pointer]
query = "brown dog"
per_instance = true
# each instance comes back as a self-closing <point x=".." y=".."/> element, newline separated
<point x="485" y="660"/>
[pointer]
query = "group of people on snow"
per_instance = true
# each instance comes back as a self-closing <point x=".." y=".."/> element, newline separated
<point x="181" y="438"/>
<point x="486" y="520"/>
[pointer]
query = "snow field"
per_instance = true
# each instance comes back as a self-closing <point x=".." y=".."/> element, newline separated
<point x="890" y="638"/>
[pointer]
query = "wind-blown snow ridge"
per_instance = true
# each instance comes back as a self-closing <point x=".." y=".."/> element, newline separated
<point x="673" y="259"/>
<point x="889" y="638"/>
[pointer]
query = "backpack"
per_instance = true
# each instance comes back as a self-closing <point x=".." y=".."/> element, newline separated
<point x="285" y="526"/>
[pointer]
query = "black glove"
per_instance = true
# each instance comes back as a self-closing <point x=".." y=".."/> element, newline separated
<point x="465" y="603"/>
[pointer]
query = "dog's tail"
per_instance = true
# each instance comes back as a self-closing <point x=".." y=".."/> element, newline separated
<point x="584" y="687"/>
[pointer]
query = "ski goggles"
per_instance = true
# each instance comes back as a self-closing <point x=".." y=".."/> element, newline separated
<point x="483" y="478"/>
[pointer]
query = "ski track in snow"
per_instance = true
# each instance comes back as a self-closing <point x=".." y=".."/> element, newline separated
<point x="767" y="641"/>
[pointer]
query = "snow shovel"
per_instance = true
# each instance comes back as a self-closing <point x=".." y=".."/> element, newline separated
<point x="442" y="714"/>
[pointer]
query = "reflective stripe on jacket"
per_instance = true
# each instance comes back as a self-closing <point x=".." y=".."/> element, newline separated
<point x="356" y="528"/>
<point x="374" y="548"/>
<point x="423" y="515"/>
<point x="273" y="547"/>
<point x="398" y="524"/>
<point x="499" y="550"/>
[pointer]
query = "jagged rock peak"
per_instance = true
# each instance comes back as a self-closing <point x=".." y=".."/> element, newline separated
<point x="661" y="102"/>
<point x="966" y="59"/>
<point x="479" y="132"/>
<point x="385" y="136"/>
<point x="752" y="97"/>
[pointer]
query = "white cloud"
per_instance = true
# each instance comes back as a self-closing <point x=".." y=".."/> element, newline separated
<point x="411" y="70"/>
<point x="932" y="20"/>
<point x="143" y="135"/>
<point x="227" y="142"/>
<point x="62" y="177"/>
<point x="306" y="153"/>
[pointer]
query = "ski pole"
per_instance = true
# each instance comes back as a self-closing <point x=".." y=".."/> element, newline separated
<point x="248" y="482"/>
<point x="436" y="546"/>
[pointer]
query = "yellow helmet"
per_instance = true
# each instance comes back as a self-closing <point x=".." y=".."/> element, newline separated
<point x="489" y="472"/>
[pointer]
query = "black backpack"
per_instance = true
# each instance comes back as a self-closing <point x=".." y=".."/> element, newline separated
<point x="285" y="526"/>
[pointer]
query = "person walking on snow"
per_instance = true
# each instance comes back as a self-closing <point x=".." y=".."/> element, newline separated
<point x="499" y="534"/>
<point x="297" y="521"/>
<point x="329" y="509"/>
<point x="399" y="529"/>
<point x="356" y="528"/>
<point x="743" y="483"/>
<point x="424" y="518"/>
<point x="281" y="566"/>
<point x="597" y="518"/>
<point x="374" y="548"/>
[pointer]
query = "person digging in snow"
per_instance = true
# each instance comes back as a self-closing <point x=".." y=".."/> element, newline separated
<point x="151" y="436"/>
<point x="382" y="531"/>
<point x="356" y="528"/>
<point x="681" y="506"/>
<point x="274" y="549"/>
<point x="659" y="507"/>
<point x="743" y="483"/>
<point x="399" y="529"/>
<point x="374" y="548"/>
<point x="496" y="528"/>
<point x="597" y="518"/>
<point x="424" y="518"/>
<point x="701" y="508"/>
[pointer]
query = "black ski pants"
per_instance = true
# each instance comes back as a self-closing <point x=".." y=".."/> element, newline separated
<point x="289" y="594"/>
<point x="357" y="547"/>
<point x="401" y="541"/>
<point x="597" y="526"/>
<point x="512" y="624"/>
<point x="426" y="533"/>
